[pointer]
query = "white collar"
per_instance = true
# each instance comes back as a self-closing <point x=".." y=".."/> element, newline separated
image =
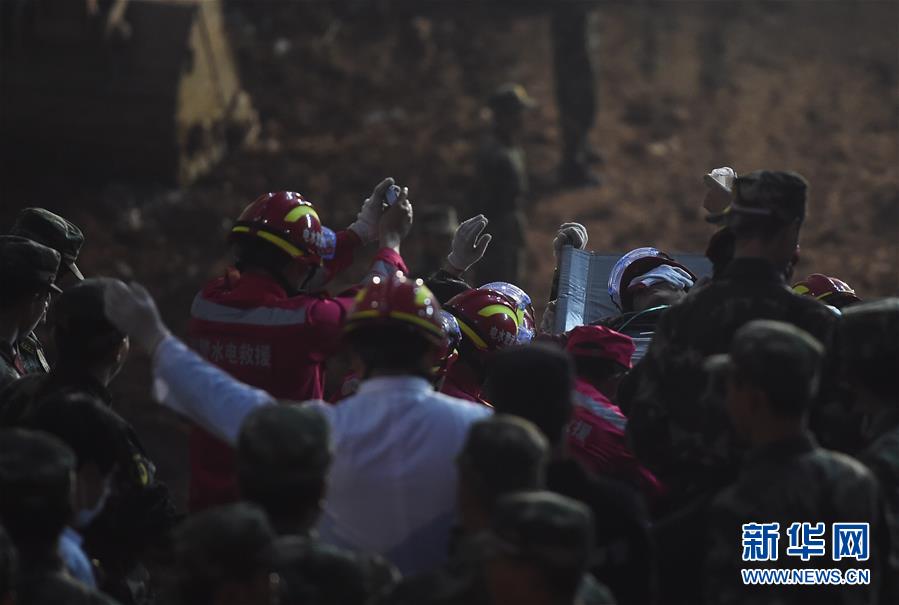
<point x="393" y="383"/>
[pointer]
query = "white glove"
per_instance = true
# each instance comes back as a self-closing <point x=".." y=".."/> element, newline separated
<point x="366" y="223"/>
<point x="468" y="243"/>
<point x="133" y="311"/>
<point x="570" y="234"/>
<point x="720" y="183"/>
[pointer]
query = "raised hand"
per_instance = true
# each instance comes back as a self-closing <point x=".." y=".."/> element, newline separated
<point x="469" y="243"/>
<point x="133" y="311"/>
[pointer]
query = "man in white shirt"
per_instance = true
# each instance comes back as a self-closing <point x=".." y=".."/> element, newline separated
<point x="392" y="484"/>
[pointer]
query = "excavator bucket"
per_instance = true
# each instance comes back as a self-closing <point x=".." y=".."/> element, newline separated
<point x="134" y="90"/>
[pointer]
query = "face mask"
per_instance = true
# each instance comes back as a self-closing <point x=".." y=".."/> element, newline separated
<point x="86" y="516"/>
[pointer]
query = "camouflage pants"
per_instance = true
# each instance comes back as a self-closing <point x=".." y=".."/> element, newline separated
<point x="575" y="85"/>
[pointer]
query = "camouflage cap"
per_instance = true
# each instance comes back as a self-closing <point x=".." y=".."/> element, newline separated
<point x="53" y="231"/>
<point x="284" y="445"/>
<point x="314" y="572"/>
<point x="506" y="453"/>
<point x="766" y="193"/>
<point x="510" y="97"/>
<point x="543" y="527"/>
<point x="27" y="262"/>
<point x="773" y="355"/>
<point x="226" y="543"/>
<point x="869" y="331"/>
<point x="79" y="313"/>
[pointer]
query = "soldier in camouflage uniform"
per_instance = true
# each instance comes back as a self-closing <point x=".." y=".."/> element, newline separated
<point x="139" y="511"/>
<point x="575" y="91"/>
<point x="53" y="231"/>
<point x="283" y="457"/>
<point x="36" y="475"/>
<point x="537" y="550"/>
<point x="502" y="455"/>
<point x="868" y="338"/>
<point x="773" y="373"/>
<point x="502" y="186"/>
<point x="677" y="426"/>
<point x="226" y="555"/>
<point x="314" y="572"/>
<point x="27" y="275"/>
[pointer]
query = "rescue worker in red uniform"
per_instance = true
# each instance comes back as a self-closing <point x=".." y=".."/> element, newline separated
<point x="490" y="318"/>
<point x="267" y="322"/>
<point x="596" y="432"/>
<point x="829" y="290"/>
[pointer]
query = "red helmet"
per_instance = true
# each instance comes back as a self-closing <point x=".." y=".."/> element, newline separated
<point x="489" y="319"/>
<point x="397" y="300"/>
<point x="289" y="222"/>
<point x="450" y="353"/>
<point x="527" y="317"/>
<point x="830" y="290"/>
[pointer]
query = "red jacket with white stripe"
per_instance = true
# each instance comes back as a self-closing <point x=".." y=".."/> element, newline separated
<point x="248" y="326"/>
<point x="596" y="439"/>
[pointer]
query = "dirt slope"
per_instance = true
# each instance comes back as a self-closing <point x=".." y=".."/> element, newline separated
<point x="347" y="95"/>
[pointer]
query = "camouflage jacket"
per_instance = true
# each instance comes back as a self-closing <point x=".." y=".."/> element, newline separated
<point x="9" y="368"/>
<point x="882" y="457"/>
<point x="140" y="510"/>
<point x="793" y="481"/>
<point x="677" y="423"/>
<point x="32" y="353"/>
<point x="31" y="358"/>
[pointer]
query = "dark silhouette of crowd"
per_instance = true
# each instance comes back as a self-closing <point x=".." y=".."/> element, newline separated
<point x="416" y="439"/>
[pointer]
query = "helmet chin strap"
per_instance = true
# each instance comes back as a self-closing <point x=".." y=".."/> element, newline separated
<point x="310" y="275"/>
<point x="288" y="285"/>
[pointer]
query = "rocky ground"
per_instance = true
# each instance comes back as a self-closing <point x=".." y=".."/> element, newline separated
<point x="350" y="93"/>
